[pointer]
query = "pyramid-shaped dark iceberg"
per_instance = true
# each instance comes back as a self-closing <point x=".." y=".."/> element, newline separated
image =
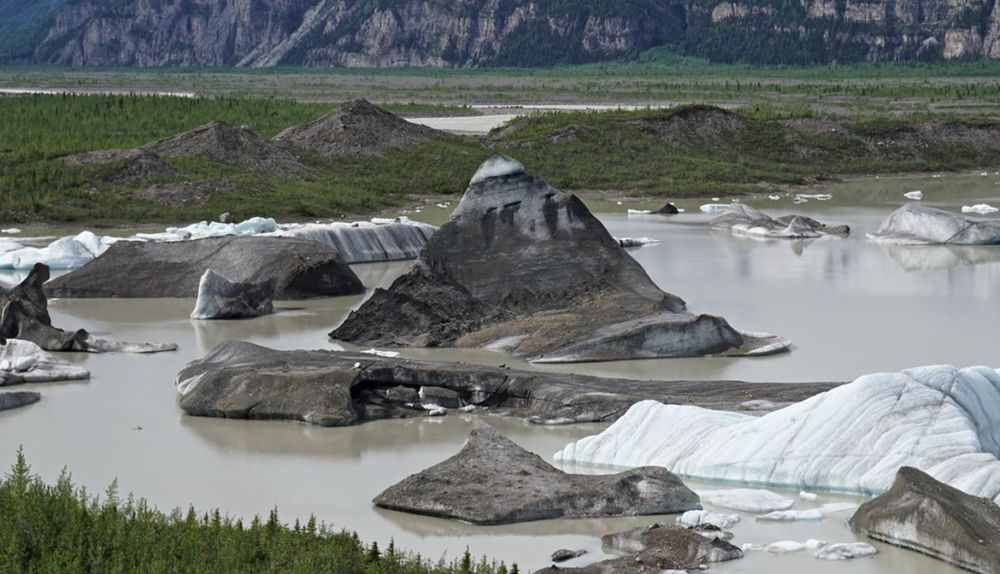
<point x="525" y="268"/>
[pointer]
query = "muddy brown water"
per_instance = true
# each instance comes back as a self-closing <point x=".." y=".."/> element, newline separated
<point x="850" y="306"/>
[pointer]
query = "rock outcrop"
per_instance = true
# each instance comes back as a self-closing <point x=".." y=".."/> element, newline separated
<point x="494" y="481"/>
<point x="943" y="420"/>
<point x="220" y="298"/>
<point x="300" y="269"/>
<point x="357" y="128"/>
<point x="524" y="268"/>
<point x="743" y="219"/>
<point x="24" y="314"/>
<point x="926" y="515"/>
<point x="918" y="224"/>
<point x="242" y="380"/>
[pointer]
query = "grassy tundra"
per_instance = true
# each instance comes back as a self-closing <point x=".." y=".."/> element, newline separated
<point x="784" y="127"/>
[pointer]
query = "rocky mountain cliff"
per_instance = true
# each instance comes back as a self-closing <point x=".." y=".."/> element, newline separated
<point x="464" y="33"/>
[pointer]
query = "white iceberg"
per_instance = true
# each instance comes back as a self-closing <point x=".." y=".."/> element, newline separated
<point x="497" y="165"/>
<point x="808" y="495"/>
<point x="980" y="208"/>
<point x="809" y="514"/>
<point x="916" y="195"/>
<point x="640" y="211"/>
<point x="696" y="517"/>
<point x="63" y="253"/>
<point x="714" y="207"/>
<point x="34" y="365"/>
<point x="918" y="224"/>
<point x="940" y="419"/>
<point x="746" y="499"/>
<point x="847" y="551"/>
<point x="378" y="353"/>
<point x="784" y="546"/>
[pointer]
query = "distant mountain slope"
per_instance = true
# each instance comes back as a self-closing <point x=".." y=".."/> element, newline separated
<point x="464" y="33"/>
<point x="21" y="21"/>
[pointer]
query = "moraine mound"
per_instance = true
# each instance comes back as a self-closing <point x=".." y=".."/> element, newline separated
<point x="224" y="143"/>
<point x="695" y="124"/>
<point x="136" y="164"/>
<point x="357" y="127"/>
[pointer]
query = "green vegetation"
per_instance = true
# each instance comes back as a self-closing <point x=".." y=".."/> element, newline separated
<point x="60" y="528"/>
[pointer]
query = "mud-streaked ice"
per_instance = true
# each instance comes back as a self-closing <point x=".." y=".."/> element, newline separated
<point x="940" y="419"/>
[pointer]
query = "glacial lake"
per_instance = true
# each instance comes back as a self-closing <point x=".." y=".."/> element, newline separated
<point x="850" y="307"/>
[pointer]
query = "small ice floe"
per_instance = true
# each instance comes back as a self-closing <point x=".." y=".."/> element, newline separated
<point x="774" y="197"/>
<point x="847" y="551"/>
<point x="618" y="202"/>
<point x="442" y="205"/>
<point x="640" y="211"/>
<point x="816" y="196"/>
<point x="746" y="499"/>
<point x="985" y="173"/>
<point x="696" y="517"/>
<point x="635" y="241"/>
<point x="808" y="495"/>
<point x="377" y="353"/>
<point x="10" y="230"/>
<point x="936" y="175"/>
<point x="715" y="199"/>
<point x="798" y="200"/>
<point x="784" y="546"/>
<point x="980" y="208"/>
<point x="916" y="195"/>
<point x="436" y="411"/>
<point x="810" y="514"/>
<point x="714" y="207"/>
<point x="383" y="220"/>
<point x="467" y="408"/>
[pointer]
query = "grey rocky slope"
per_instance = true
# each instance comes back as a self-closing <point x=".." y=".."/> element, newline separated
<point x="494" y="481"/>
<point x="469" y="33"/>
<point x="24" y="314"/>
<point x="926" y="515"/>
<point x="301" y="269"/>
<point x="525" y="268"/>
<point x="919" y="224"/>
<point x="237" y="379"/>
<point x="741" y="218"/>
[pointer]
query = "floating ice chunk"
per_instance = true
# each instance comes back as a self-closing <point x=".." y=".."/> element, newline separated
<point x="498" y="165"/>
<point x="798" y="199"/>
<point x="746" y="499"/>
<point x="714" y="207"/>
<point x="940" y="419"/>
<point x="256" y="225"/>
<point x="918" y="224"/>
<point x="847" y="551"/>
<point x="63" y="253"/>
<point x="816" y="196"/>
<point x="10" y="230"/>
<point x="715" y="199"/>
<point x="917" y="195"/>
<point x="635" y="241"/>
<point x="808" y="495"/>
<point x="696" y="517"/>
<point x="784" y="546"/>
<point x="774" y="197"/>
<point x="618" y="202"/>
<point x="791" y="515"/>
<point x="377" y="353"/>
<point x="980" y="208"/>
<point x="436" y="411"/>
<point x="640" y="211"/>
<point x="34" y="365"/>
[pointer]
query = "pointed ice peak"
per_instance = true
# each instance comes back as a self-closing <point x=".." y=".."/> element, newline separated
<point x="497" y="165"/>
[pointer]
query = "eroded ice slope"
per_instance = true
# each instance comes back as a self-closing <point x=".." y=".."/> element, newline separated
<point x="940" y="419"/>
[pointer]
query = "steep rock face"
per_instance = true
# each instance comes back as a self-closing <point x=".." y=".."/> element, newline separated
<point x="923" y="514"/>
<point x="527" y="269"/>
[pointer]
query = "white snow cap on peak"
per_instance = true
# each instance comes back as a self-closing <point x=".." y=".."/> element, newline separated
<point x="497" y="165"/>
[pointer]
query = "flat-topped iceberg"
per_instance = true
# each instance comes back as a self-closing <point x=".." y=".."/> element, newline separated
<point x="940" y="419"/>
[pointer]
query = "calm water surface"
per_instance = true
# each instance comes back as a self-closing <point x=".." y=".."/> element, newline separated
<point x="851" y="307"/>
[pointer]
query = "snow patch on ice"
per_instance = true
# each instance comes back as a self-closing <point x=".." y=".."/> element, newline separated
<point x="497" y="166"/>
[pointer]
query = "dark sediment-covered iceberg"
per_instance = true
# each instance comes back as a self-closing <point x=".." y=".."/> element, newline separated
<point x="301" y="269"/>
<point x="918" y="224"/>
<point x="220" y="298"/>
<point x="525" y="268"/>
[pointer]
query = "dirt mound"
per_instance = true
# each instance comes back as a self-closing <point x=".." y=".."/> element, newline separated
<point x="695" y="124"/>
<point x="357" y="128"/>
<point x="184" y="193"/>
<point x="137" y="164"/>
<point x="224" y="143"/>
